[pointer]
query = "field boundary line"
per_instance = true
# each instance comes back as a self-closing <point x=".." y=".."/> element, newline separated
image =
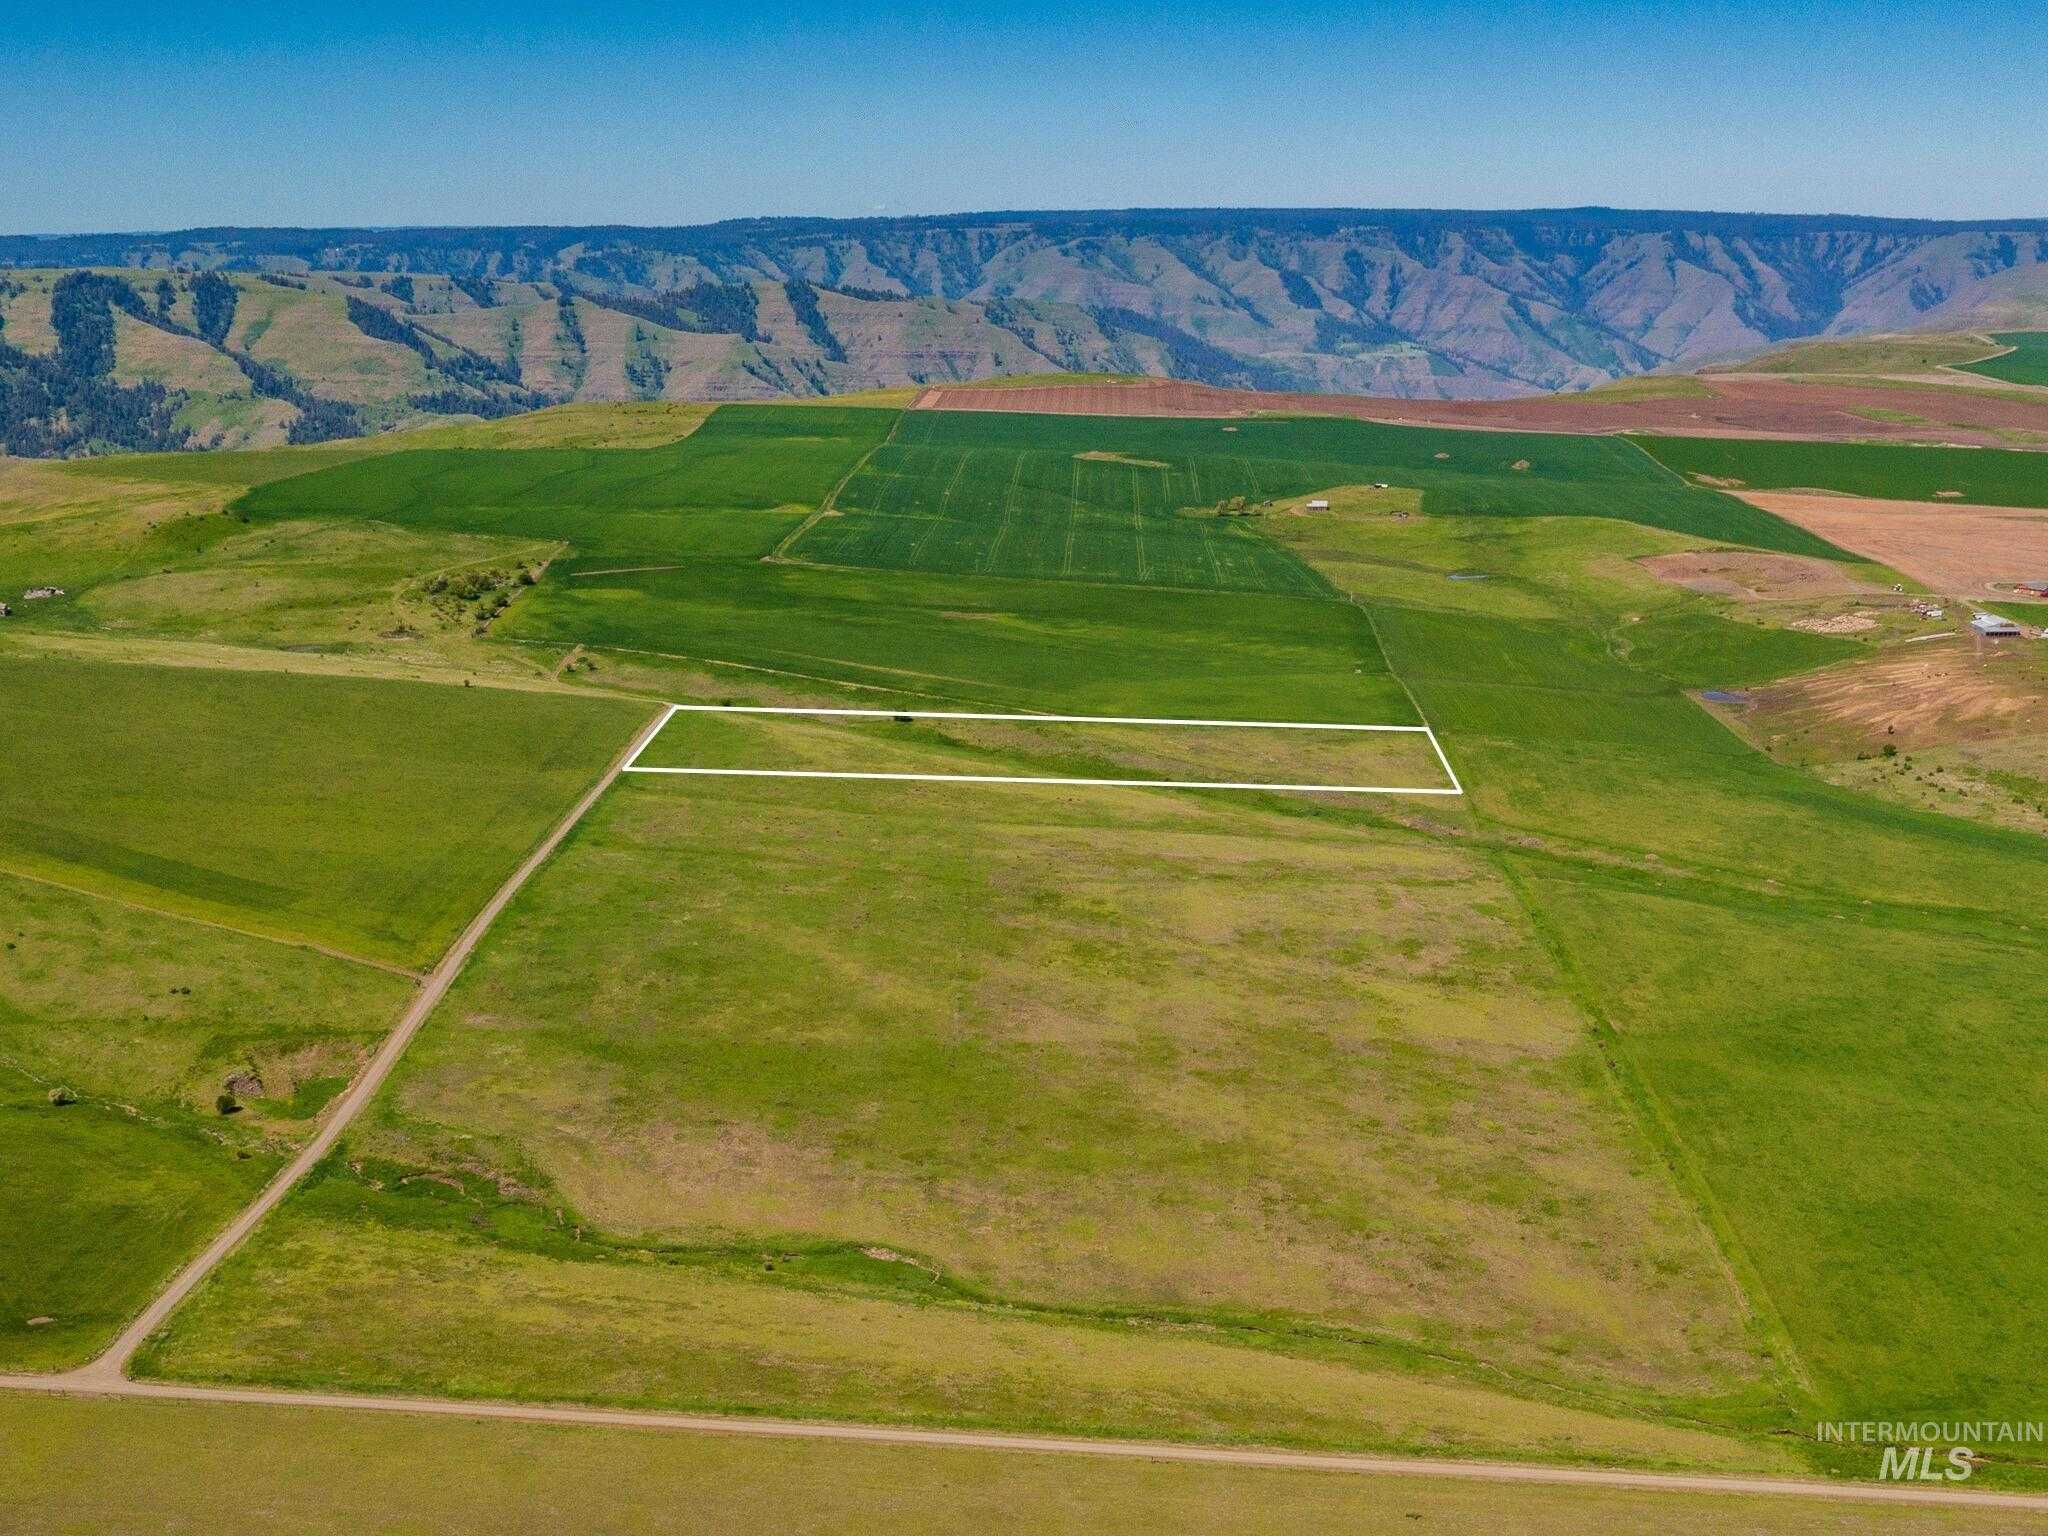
<point x="111" y="1364"/>
<point x="1646" y="1109"/>
<point x="634" y="765"/>
<point x="389" y="967"/>
<point x="830" y="504"/>
<point x="1357" y="1463"/>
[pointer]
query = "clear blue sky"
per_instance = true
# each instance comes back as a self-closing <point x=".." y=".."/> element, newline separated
<point x="376" y="113"/>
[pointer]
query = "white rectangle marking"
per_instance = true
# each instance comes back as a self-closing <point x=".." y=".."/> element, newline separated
<point x="635" y="766"/>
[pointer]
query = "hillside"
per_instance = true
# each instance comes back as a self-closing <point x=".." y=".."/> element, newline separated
<point x="337" y="332"/>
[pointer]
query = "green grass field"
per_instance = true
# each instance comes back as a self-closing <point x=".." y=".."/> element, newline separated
<point x="1611" y="1112"/>
<point x="2026" y="363"/>
<point x="143" y="1019"/>
<point x="610" y="504"/>
<point x="1117" y="500"/>
<point x="1997" y="477"/>
<point x="371" y="816"/>
<point x="1813" y="1121"/>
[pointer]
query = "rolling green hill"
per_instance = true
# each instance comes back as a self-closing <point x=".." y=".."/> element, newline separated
<point x="1607" y="1112"/>
<point x="2025" y="363"/>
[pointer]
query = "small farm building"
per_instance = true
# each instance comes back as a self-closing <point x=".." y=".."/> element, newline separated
<point x="1999" y="629"/>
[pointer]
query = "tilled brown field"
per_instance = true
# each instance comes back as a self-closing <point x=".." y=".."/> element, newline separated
<point x="1738" y="406"/>
<point x="1915" y="697"/>
<point x="1950" y="546"/>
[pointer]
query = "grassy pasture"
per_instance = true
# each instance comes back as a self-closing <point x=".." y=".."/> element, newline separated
<point x="371" y="816"/>
<point x="99" y="1209"/>
<point x="1998" y="477"/>
<point x="1107" y="499"/>
<point x="991" y="642"/>
<point x="2026" y="363"/>
<point x="1782" y="962"/>
<point x="1828" y="1124"/>
<point x="666" y="556"/>
<point x="1087" y="1058"/>
<point x="87" y="523"/>
<point x="608" y="503"/>
<point x="143" y="1018"/>
<point x="315" y="1472"/>
<point x="1390" y="1125"/>
<point x="1868" y="355"/>
<point x="342" y="587"/>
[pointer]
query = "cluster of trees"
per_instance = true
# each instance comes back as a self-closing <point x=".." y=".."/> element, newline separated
<point x="82" y="315"/>
<point x="318" y="421"/>
<point x="213" y="306"/>
<point x="1189" y="357"/>
<point x="646" y="369"/>
<point x="458" y="402"/>
<point x="67" y="402"/>
<point x="872" y="295"/>
<point x="803" y="298"/>
<point x="47" y="411"/>
<point x="460" y="365"/>
<point x="706" y="308"/>
<point x="575" y="352"/>
<point x="481" y="290"/>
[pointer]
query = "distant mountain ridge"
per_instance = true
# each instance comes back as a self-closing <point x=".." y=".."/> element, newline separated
<point x="1420" y="303"/>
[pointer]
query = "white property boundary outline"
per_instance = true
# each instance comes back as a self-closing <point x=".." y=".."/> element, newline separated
<point x="633" y="764"/>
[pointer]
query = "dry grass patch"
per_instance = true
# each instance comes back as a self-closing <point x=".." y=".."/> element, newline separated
<point x="334" y="1302"/>
<point x="1909" y="698"/>
<point x="1750" y="576"/>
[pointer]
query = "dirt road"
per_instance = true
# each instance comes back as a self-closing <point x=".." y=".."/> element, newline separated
<point x="75" y="1385"/>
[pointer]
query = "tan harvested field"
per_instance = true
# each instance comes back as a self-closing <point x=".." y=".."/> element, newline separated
<point x="1750" y="576"/>
<point x="1728" y="405"/>
<point x="1950" y="547"/>
<point x="622" y="424"/>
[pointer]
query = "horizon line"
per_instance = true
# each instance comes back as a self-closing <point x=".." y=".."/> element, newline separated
<point x="2030" y="222"/>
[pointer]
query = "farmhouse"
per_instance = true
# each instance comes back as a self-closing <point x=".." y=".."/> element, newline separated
<point x="2035" y="588"/>
<point x="1319" y="505"/>
<point x="1998" y="629"/>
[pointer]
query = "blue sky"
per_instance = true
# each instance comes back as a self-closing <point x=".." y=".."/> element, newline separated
<point x="377" y="113"/>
